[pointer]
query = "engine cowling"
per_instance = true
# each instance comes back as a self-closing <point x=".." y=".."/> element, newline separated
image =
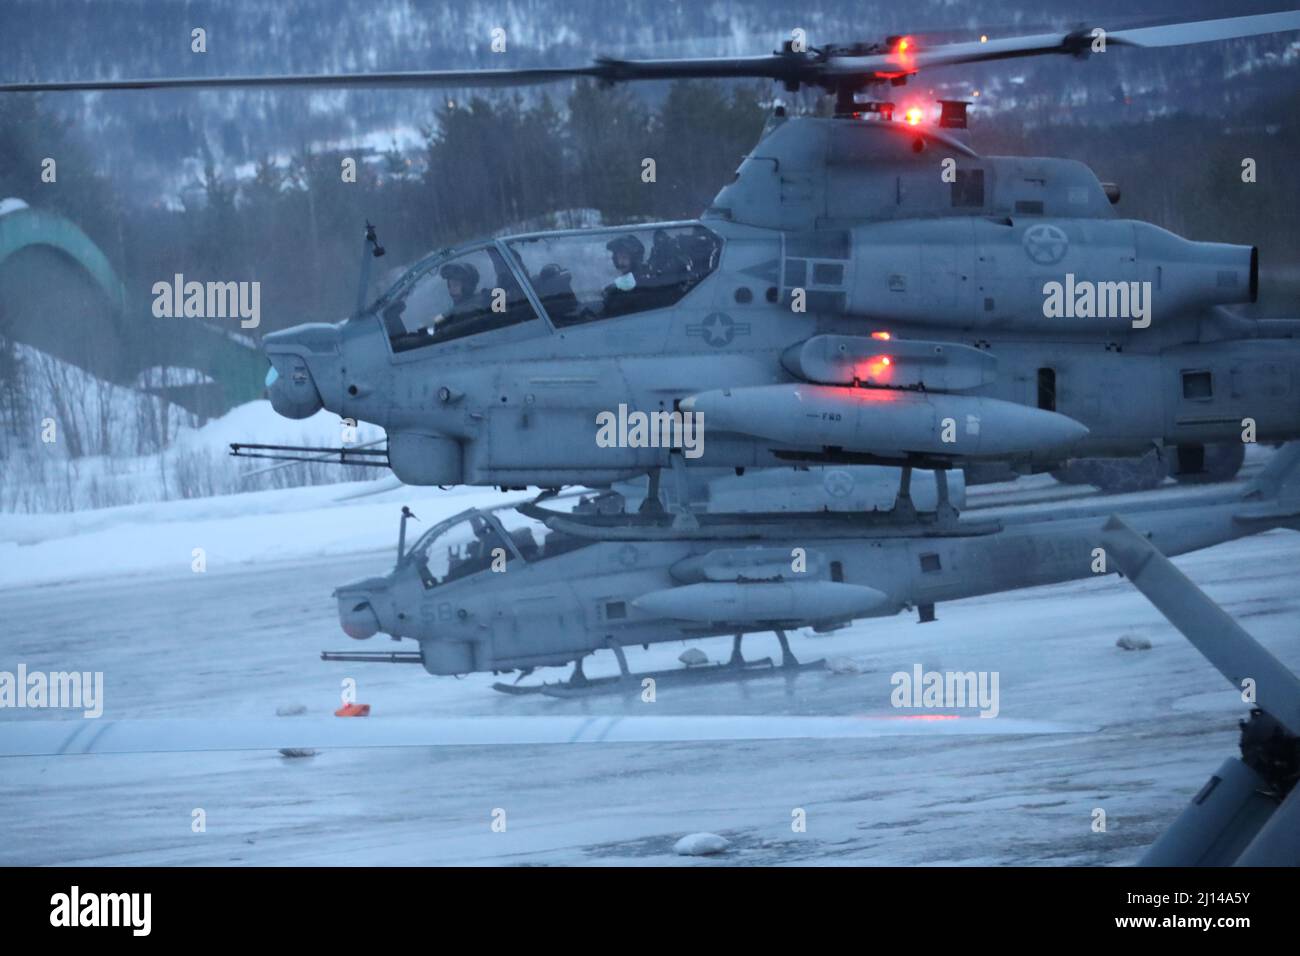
<point x="1029" y="273"/>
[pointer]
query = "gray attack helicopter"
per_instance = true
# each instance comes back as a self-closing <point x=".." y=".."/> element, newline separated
<point x="869" y="289"/>
<point x="513" y="590"/>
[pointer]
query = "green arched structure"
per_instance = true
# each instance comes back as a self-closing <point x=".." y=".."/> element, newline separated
<point x="139" y="340"/>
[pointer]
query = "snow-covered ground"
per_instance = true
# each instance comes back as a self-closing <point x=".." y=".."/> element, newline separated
<point x="80" y="443"/>
<point x="242" y="640"/>
<point x="233" y="531"/>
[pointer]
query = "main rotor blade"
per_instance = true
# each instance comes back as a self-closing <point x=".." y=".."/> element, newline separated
<point x="1207" y="31"/>
<point x="1212" y="631"/>
<point x="1074" y="43"/>
<point x="406" y="79"/>
<point x="792" y="68"/>
<point x="607" y="70"/>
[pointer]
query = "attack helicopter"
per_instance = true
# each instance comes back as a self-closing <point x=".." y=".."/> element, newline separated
<point x="510" y="590"/>
<point x="868" y="290"/>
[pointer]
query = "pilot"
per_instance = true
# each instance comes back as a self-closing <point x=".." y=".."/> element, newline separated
<point x="667" y="262"/>
<point x="526" y="543"/>
<point x="625" y="293"/>
<point x="462" y="285"/>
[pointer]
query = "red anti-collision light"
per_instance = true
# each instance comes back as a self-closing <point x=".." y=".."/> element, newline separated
<point x="877" y="369"/>
<point x="903" y="51"/>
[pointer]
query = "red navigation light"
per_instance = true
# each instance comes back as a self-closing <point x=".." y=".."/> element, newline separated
<point x="903" y="51"/>
<point x="877" y="370"/>
<point x="882" y="336"/>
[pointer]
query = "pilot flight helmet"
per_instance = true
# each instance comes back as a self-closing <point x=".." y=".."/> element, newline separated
<point x="463" y="272"/>
<point x="630" y="246"/>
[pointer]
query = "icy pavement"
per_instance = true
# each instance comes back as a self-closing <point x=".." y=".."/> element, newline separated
<point x="240" y="642"/>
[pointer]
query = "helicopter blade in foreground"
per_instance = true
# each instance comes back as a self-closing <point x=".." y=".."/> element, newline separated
<point x="1249" y="812"/>
<point x="52" y="738"/>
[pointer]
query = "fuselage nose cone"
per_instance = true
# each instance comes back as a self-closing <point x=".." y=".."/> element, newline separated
<point x="293" y="353"/>
<point x="358" y="613"/>
<point x="357" y="617"/>
<point x="292" y="390"/>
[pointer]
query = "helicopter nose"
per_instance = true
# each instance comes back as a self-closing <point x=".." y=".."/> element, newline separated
<point x="291" y="387"/>
<point x="359" y="607"/>
<point x="358" y="619"/>
<point x="293" y="390"/>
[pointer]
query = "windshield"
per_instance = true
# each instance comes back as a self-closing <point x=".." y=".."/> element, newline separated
<point x="599" y="274"/>
<point x="459" y="548"/>
<point x="535" y="540"/>
<point x="453" y="296"/>
<point x="471" y="542"/>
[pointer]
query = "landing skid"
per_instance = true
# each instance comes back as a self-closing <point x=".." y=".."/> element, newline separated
<point x="677" y="677"/>
<point x="628" y="683"/>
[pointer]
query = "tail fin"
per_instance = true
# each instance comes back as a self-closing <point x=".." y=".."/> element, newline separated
<point x="1275" y="492"/>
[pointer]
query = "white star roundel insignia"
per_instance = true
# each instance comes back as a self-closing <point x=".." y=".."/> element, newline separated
<point x="1046" y="244"/>
<point x="718" y="329"/>
<point x="838" y="483"/>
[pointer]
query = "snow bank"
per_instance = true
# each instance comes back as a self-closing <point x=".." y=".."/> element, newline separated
<point x="232" y="530"/>
<point x="258" y="422"/>
<point x="117" y="446"/>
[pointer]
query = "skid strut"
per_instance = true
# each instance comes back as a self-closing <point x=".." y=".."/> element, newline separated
<point x="628" y="681"/>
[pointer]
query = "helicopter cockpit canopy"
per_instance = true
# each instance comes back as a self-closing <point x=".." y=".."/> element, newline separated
<point x="577" y="277"/>
<point x="603" y="273"/>
<point x="475" y="541"/>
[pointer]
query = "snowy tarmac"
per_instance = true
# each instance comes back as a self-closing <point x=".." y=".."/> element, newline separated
<point x="240" y="642"/>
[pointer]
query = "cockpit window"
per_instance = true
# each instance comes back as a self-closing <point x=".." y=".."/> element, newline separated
<point x="602" y="274"/>
<point x="464" y="295"/>
<point x="465" y="548"/>
<point x="474" y="542"/>
<point x="535" y="540"/>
